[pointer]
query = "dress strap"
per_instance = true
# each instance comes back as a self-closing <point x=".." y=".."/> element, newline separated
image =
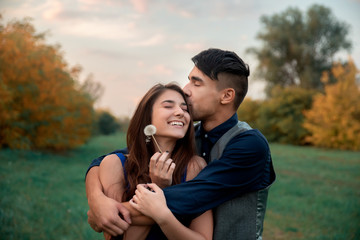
<point x="183" y="177"/>
<point x="123" y="160"/>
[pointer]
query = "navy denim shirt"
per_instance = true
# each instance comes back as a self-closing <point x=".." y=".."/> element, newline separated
<point x="209" y="139"/>
<point x="245" y="166"/>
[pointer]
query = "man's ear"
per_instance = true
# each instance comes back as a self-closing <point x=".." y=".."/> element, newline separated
<point x="228" y="96"/>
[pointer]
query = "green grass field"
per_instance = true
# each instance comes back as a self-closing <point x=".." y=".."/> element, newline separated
<point x="316" y="195"/>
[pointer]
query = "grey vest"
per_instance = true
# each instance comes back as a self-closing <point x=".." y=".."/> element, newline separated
<point x="241" y="217"/>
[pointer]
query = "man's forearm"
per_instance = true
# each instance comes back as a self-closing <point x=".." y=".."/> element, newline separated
<point x="94" y="189"/>
<point x="93" y="184"/>
<point x="137" y="218"/>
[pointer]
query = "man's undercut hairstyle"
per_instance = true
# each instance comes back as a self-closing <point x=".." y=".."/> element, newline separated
<point x="227" y="68"/>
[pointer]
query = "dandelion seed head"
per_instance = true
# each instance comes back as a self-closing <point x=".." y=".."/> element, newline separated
<point x="149" y="130"/>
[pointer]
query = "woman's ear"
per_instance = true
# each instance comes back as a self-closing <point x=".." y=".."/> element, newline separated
<point x="228" y="96"/>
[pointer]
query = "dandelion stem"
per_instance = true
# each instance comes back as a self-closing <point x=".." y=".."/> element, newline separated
<point x="156" y="143"/>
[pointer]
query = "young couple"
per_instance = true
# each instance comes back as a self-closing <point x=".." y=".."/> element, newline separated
<point x="160" y="189"/>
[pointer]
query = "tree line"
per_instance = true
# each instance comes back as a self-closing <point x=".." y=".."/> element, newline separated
<point x="43" y="104"/>
<point x="311" y="98"/>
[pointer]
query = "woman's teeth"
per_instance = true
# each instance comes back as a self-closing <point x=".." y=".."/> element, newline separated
<point x="177" y="124"/>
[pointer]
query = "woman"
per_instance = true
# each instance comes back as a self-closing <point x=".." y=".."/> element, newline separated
<point x="171" y="160"/>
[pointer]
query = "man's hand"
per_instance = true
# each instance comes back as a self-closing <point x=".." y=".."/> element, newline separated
<point x="108" y="215"/>
<point x="161" y="169"/>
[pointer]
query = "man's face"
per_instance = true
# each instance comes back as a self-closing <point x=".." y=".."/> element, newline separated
<point x="203" y="96"/>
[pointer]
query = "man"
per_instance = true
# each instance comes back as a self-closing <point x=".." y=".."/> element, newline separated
<point x="235" y="183"/>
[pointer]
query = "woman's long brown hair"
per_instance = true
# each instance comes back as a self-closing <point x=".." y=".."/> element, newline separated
<point x="137" y="163"/>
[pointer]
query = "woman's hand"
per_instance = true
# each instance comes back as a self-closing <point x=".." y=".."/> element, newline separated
<point x="161" y="169"/>
<point x="149" y="199"/>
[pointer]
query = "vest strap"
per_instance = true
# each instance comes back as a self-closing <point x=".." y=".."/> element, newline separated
<point x="241" y="217"/>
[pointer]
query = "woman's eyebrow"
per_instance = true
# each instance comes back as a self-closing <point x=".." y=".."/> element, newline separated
<point x="168" y="101"/>
<point x="173" y="102"/>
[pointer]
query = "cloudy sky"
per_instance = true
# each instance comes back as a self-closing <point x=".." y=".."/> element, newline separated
<point x="129" y="45"/>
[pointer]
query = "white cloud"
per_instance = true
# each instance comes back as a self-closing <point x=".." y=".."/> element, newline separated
<point x="152" y="41"/>
<point x="100" y="29"/>
<point x="52" y="10"/>
<point x="185" y="14"/>
<point x="191" y="47"/>
<point x="244" y="37"/>
<point x="29" y="8"/>
<point x="162" y="70"/>
<point x="139" y="5"/>
<point x="90" y="2"/>
<point x="179" y="10"/>
<point x="140" y="63"/>
<point x="98" y="5"/>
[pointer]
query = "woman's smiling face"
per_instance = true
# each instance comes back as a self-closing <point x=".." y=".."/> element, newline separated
<point x="170" y="115"/>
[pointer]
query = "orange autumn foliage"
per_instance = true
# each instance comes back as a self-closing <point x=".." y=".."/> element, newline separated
<point x="334" y="119"/>
<point x="41" y="106"/>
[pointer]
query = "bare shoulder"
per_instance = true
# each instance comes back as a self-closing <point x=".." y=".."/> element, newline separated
<point x="198" y="161"/>
<point x="111" y="158"/>
<point x="111" y="176"/>
<point x="111" y="164"/>
<point x="195" y="165"/>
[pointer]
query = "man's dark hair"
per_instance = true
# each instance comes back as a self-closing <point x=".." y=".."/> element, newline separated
<point x="227" y="68"/>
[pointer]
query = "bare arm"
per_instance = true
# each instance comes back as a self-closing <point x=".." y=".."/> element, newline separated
<point x="112" y="179"/>
<point x="107" y="208"/>
<point x="153" y="204"/>
<point x="104" y="211"/>
<point x="137" y="217"/>
<point x="200" y="228"/>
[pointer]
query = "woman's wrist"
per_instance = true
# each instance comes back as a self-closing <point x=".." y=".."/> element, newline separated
<point x="162" y="216"/>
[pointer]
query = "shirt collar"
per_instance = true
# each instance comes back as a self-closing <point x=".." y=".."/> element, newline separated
<point x="218" y="131"/>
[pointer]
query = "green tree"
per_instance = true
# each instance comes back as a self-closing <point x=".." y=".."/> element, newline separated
<point x="42" y="105"/>
<point x="249" y="111"/>
<point x="124" y="123"/>
<point x="107" y="123"/>
<point x="298" y="47"/>
<point x="334" y="119"/>
<point x="281" y="118"/>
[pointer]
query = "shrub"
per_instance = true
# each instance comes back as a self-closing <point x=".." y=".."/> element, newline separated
<point x="334" y="119"/>
<point x="41" y="105"/>
<point x="281" y="118"/>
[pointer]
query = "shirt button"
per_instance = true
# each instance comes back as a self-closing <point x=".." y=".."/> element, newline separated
<point x="204" y="154"/>
<point x="206" y="136"/>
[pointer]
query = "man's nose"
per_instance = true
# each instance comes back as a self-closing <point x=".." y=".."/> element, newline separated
<point x="186" y="90"/>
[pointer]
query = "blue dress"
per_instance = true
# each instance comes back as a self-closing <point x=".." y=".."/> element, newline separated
<point x="155" y="231"/>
